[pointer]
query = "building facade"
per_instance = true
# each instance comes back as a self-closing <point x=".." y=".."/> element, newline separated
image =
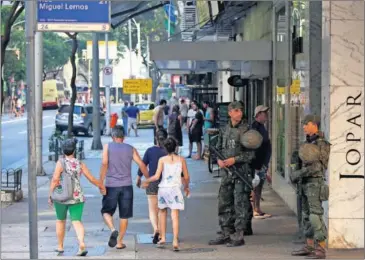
<point x="316" y="65"/>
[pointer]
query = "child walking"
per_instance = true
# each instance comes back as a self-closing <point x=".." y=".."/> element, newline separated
<point x="169" y="191"/>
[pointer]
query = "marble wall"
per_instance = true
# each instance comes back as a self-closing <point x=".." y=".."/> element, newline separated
<point x="343" y="98"/>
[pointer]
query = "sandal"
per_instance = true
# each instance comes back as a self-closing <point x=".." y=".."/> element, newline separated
<point x="121" y="247"/>
<point x="261" y="215"/>
<point x="155" y="238"/>
<point x="59" y="251"/>
<point x="176" y="249"/>
<point x="113" y="239"/>
<point x="82" y="252"/>
<point x="161" y="244"/>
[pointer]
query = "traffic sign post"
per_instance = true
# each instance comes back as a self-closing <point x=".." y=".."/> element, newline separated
<point x="137" y="86"/>
<point x="108" y="76"/>
<point x="73" y="16"/>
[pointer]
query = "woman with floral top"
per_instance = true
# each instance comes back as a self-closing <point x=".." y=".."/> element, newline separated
<point x="70" y="165"/>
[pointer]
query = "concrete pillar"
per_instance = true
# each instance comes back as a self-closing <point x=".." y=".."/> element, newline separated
<point x="343" y="103"/>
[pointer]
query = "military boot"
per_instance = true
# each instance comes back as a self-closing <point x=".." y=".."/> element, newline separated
<point x="222" y="238"/>
<point x="248" y="231"/>
<point x="307" y="250"/>
<point x="236" y="239"/>
<point x="319" y="251"/>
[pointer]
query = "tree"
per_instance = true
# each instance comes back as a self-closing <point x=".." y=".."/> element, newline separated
<point x="73" y="37"/>
<point x="11" y="14"/>
<point x="55" y="53"/>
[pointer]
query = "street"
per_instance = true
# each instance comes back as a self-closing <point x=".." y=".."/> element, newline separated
<point x="14" y="138"/>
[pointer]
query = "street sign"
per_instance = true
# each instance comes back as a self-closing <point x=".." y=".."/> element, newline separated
<point x="73" y="16"/>
<point x="137" y="86"/>
<point x="108" y="76"/>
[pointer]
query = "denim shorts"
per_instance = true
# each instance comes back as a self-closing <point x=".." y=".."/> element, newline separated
<point x="121" y="197"/>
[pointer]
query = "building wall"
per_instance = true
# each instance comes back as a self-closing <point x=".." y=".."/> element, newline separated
<point x="343" y="101"/>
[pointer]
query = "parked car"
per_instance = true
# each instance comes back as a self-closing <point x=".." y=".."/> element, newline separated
<point x="83" y="119"/>
<point x="146" y="111"/>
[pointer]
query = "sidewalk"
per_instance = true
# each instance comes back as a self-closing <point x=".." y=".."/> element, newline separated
<point x="198" y="224"/>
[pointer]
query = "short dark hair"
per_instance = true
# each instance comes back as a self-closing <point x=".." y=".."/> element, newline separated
<point x="161" y="136"/>
<point x="118" y="132"/>
<point x="170" y="145"/>
<point x="206" y="102"/>
<point x="132" y="103"/>
<point x="69" y="146"/>
<point x="163" y="102"/>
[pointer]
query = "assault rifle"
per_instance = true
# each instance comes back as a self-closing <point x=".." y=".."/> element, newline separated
<point x="233" y="170"/>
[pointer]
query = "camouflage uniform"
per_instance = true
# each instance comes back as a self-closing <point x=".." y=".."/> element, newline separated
<point x="234" y="207"/>
<point x="313" y="190"/>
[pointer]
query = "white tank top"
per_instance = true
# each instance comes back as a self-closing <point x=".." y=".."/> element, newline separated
<point x="171" y="175"/>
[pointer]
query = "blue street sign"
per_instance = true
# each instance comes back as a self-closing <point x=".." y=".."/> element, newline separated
<point x="170" y="9"/>
<point x="73" y="16"/>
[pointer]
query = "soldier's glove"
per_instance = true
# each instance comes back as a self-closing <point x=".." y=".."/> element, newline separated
<point x="256" y="181"/>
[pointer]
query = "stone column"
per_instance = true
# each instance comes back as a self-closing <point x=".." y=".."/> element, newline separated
<point x="343" y="114"/>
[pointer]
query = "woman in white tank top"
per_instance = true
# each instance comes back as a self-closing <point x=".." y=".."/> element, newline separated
<point x="169" y="192"/>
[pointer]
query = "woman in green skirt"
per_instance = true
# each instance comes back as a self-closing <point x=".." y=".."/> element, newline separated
<point x="75" y="206"/>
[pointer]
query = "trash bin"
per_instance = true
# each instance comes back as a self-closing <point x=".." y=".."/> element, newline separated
<point x="113" y="120"/>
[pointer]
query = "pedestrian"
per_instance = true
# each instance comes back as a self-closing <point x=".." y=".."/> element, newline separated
<point x="196" y="132"/>
<point x="151" y="158"/>
<point x="116" y="171"/>
<point x="169" y="189"/>
<point x="184" y="112"/>
<point x="174" y="126"/>
<point x="234" y="207"/>
<point x="314" y="154"/>
<point x="158" y="118"/>
<point x="71" y="166"/>
<point x="125" y="117"/>
<point x="262" y="159"/>
<point x="133" y="118"/>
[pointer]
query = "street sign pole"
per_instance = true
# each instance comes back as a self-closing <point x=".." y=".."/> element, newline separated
<point x="30" y="14"/>
<point x="39" y="98"/>
<point x="107" y="88"/>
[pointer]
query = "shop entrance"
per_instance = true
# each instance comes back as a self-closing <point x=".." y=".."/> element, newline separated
<point x="255" y="94"/>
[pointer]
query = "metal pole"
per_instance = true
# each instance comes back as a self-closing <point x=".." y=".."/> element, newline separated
<point x="30" y="14"/>
<point x="38" y="99"/>
<point x="148" y="55"/>
<point x="96" y="145"/>
<point x="132" y="97"/>
<point x="130" y="47"/>
<point x="107" y="88"/>
<point x="169" y="23"/>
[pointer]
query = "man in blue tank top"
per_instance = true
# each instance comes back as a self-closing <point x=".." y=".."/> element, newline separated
<point x="116" y="171"/>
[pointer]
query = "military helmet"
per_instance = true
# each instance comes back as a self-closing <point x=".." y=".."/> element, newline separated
<point x="252" y="139"/>
<point x="309" y="153"/>
<point x="311" y="118"/>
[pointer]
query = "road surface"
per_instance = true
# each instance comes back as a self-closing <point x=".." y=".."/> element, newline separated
<point x="14" y="138"/>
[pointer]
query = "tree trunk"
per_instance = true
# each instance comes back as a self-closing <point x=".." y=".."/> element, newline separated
<point x="73" y="84"/>
<point x="16" y="9"/>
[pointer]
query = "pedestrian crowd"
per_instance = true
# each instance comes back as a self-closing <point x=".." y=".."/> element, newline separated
<point x="243" y="153"/>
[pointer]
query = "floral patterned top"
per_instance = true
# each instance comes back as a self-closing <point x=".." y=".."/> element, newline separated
<point x="72" y="166"/>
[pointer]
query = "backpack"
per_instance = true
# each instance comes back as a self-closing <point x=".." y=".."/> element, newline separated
<point x="64" y="191"/>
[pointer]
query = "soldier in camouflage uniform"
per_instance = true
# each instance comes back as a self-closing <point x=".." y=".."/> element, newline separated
<point x="314" y="190"/>
<point x="234" y="207"/>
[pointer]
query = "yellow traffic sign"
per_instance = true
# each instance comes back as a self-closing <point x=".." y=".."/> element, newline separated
<point x="137" y="86"/>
